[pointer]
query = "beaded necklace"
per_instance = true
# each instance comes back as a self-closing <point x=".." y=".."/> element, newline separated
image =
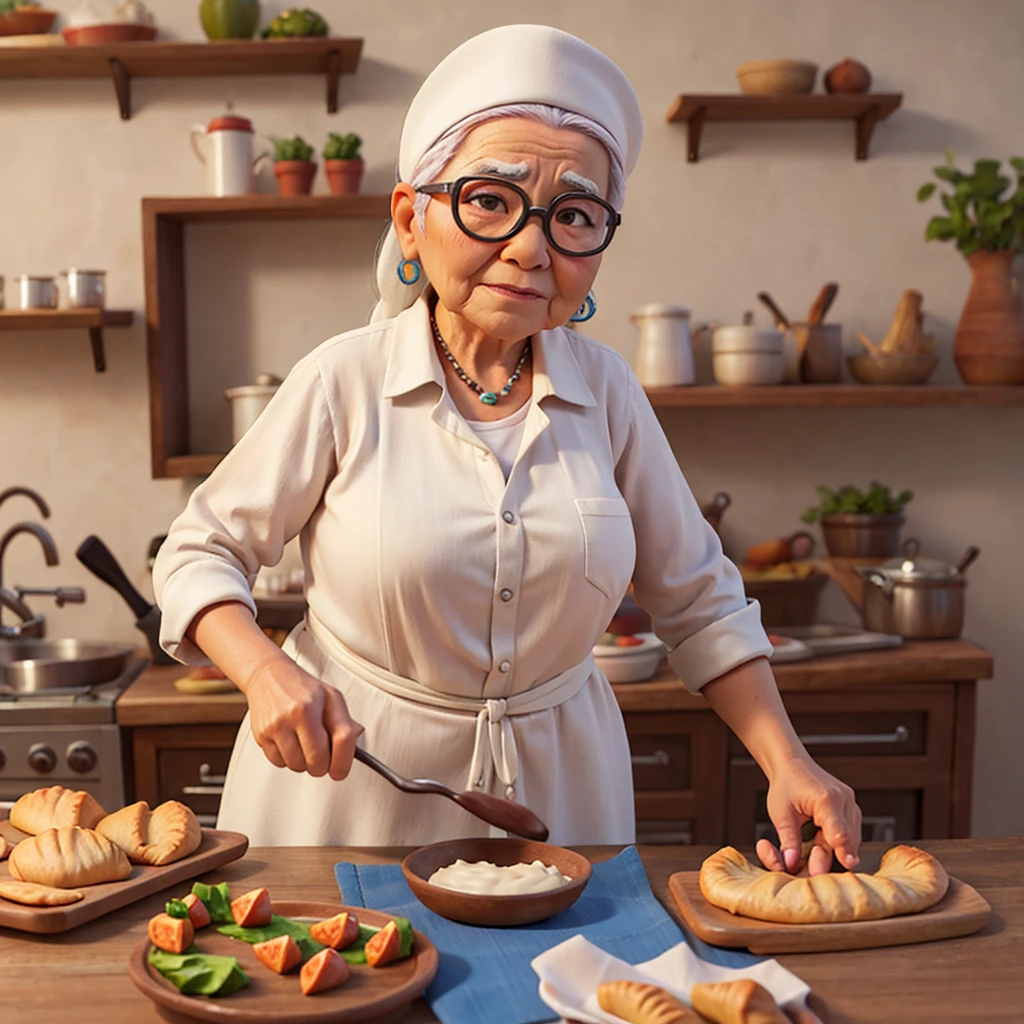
<point x="487" y="397"/>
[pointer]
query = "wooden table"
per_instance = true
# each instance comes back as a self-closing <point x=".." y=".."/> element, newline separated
<point x="82" y="975"/>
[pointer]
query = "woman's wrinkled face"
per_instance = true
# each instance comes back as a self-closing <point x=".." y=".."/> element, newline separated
<point x="511" y="289"/>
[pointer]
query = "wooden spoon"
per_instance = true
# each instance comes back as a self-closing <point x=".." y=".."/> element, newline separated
<point x="822" y="303"/>
<point x="781" y="319"/>
<point x="504" y="814"/>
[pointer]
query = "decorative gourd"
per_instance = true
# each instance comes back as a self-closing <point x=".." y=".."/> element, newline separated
<point x="229" y="19"/>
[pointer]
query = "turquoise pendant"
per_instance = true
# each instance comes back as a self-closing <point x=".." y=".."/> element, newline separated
<point x="489" y="398"/>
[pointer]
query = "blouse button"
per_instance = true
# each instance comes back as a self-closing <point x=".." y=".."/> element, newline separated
<point x="509" y="517"/>
<point x="504" y="666"/>
<point x="506" y="595"/>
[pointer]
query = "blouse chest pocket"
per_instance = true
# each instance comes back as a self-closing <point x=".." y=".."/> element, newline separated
<point x="609" y="544"/>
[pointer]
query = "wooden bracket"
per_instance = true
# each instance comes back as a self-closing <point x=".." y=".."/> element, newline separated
<point x="99" y="360"/>
<point x="864" y="128"/>
<point x="333" y="76"/>
<point x="693" y="129"/>
<point x="123" y="88"/>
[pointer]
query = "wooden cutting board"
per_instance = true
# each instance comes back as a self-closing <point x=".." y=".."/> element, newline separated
<point x="215" y="849"/>
<point x="962" y="911"/>
<point x="370" y="993"/>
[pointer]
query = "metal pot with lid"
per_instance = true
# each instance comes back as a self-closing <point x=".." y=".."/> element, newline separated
<point x="918" y="598"/>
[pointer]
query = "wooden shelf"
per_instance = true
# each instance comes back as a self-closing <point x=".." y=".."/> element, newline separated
<point x="847" y="396"/>
<point x="318" y="55"/>
<point x="864" y="109"/>
<point x="92" y="320"/>
<point x="163" y="238"/>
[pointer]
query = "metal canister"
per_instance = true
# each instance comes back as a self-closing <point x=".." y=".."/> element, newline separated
<point x="85" y="288"/>
<point x="36" y="292"/>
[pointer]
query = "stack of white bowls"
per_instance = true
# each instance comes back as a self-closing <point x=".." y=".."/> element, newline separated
<point x="747" y="355"/>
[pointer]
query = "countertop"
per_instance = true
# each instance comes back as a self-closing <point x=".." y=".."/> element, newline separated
<point x="82" y="975"/>
<point x="153" y="700"/>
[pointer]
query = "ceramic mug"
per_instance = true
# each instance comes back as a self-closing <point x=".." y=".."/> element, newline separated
<point x="37" y="292"/>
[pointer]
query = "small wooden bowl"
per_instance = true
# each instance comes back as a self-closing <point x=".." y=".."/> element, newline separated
<point x="100" y="35"/>
<point x="495" y="911"/>
<point x="776" y="77"/>
<point x="885" y="368"/>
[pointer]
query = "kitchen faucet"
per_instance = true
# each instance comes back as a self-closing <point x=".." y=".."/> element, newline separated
<point x="31" y="625"/>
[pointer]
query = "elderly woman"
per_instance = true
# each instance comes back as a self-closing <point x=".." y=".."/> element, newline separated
<point x="475" y="485"/>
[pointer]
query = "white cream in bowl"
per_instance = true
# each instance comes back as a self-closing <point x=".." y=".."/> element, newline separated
<point x="482" y="878"/>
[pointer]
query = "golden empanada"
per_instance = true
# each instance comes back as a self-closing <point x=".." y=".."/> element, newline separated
<point x="67" y="857"/>
<point x="639" y="1003"/>
<point x="156" y="837"/>
<point x="55" y="807"/>
<point x="736" y="1002"/>
<point x="33" y="895"/>
<point x="5" y="848"/>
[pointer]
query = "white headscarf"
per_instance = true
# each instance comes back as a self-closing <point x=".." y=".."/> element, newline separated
<point x="516" y="64"/>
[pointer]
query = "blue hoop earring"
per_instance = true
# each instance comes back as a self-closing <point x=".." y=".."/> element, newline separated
<point x="586" y="311"/>
<point x="415" y="264"/>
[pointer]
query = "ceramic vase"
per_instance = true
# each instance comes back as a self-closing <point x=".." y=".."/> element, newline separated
<point x="295" y="177"/>
<point x="988" y="347"/>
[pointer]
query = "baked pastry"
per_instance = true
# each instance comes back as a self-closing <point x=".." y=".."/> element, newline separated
<point x="736" y="1002"/>
<point x="55" y="807"/>
<point x="907" y="882"/>
<point x="640" y="1003"/>
<point x="34" y="895"/>
<point x="68" y="857"/>
<point x="161" y="836"/>
<point x="5" y="848"/>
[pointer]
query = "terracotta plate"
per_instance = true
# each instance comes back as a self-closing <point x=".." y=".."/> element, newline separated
<point x="495" y="911"/>
<point x="371" y="993"/>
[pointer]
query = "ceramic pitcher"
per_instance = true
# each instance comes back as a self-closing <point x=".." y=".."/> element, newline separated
<point x="665" y="354"/>
<point x="225" y="147"/>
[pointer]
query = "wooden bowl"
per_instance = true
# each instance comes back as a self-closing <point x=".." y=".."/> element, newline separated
<point x="892" y="368"/>
<point x="495" y="911"/>
<point x="100" y="35"/>
<point x="776" y="77"/>
<point x="27" y="21"/>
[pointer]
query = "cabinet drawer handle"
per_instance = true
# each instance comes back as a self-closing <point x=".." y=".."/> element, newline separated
<point x="659" y="759"/>
<point x="899" y="735"/>
<point x="209" y="784"/>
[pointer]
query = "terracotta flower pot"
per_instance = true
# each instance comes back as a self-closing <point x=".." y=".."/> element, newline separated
<point x="344" y="176"/>
<point x="989" y="344"/>
<point x="295" y="177"/>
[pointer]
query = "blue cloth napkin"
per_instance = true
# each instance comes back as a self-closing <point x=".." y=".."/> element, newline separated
<point x="485" y="974"/>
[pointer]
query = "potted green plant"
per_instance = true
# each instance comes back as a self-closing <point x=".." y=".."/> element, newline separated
<point x="986" y="223"/>
<point x="860" y="524"/>
<point x="294" y="166"/>
<point x="343" y="164"/>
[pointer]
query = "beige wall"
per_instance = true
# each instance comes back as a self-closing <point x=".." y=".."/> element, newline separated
<point x="782" y="208"/>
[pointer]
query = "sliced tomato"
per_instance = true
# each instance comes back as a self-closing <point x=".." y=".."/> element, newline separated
<point x="327" y="969"/>
<point x="338" y="932"/>
<point x="252" y="909"/>
<point x="628" y="641"/>
<point x="384" y="947"/>
<point x="197" y="912"/>
<point x="171" y="934"/>
<point x="281" y="955"/>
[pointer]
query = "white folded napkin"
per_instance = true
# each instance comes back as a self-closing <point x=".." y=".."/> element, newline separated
<point x="571" y="971"/>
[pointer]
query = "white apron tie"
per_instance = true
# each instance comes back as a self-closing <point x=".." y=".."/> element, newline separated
<point x="494" y="751"/>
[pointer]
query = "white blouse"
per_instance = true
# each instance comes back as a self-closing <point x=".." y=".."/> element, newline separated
<point x="504" y="437"/>
<point x="422" y="559"/>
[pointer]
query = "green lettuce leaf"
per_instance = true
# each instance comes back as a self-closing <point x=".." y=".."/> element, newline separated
<point x="193" y="973"/>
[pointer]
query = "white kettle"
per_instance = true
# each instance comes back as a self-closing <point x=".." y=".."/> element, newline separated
<point x="224" y="146"/>
<point x="664" y="357"/>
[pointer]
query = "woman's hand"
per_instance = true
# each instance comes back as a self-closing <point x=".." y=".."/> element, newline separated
<point x="300" y="722"/>
<point x="802" y="791"/>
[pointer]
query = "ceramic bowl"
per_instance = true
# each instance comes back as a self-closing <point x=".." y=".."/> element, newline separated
<point x="100" y="35"/>
<point x="748" y="368"/>
<point x="744" y="338"/>
<point x="495" y="911"/>
<point x="630" y="664"/>
<point x="27" y="21"/>
<point x="895" y="368"/>
<point x="774" y="77"/>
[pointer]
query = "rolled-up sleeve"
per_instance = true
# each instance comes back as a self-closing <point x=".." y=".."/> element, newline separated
<point x="240" y="518"/>
<point x="693" y="593"/>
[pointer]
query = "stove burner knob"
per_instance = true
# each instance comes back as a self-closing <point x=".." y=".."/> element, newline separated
<point x="42" y="758"/>
<point x="81" y="757"/>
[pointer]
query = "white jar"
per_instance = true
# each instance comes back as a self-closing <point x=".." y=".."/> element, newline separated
<point x="226" y="152"/>
<point x="248" y="401"/>
<point x="665" y="354"/>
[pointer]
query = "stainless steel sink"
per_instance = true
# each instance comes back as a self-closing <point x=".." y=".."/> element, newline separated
<point x="51" y="666"/>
